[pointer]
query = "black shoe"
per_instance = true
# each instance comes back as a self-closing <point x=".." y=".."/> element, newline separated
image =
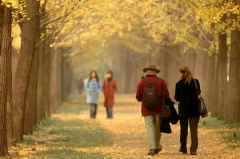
<point x="152" y="152"/>
<point x="193" y="153"/>
<point x="183" y="151"/>
<point x="159" y="149"/>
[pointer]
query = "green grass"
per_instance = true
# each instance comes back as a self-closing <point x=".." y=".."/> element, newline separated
<point x="68" y="154"/>
<point x="229" y="131"/>
<point x="65" y="132"/>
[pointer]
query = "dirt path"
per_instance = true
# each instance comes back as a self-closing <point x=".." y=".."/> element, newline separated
<point x="130" y="138"/>
<point x="70" y="134"/>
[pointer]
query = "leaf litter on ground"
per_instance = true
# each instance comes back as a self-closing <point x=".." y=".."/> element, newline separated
<point x="69" y="133"/>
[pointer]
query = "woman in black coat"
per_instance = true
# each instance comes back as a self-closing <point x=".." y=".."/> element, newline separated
<point x="187" y="96"/>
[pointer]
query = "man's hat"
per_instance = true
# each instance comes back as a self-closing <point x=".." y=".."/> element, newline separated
<point x="152" y="68"/>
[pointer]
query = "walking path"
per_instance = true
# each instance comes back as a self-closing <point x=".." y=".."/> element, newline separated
<point x="71" y="134"/>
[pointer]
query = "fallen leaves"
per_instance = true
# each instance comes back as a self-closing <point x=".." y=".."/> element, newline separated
<point x="71" y="134"/>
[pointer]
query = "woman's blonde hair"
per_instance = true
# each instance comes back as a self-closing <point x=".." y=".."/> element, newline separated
<point x="187" y="75"/>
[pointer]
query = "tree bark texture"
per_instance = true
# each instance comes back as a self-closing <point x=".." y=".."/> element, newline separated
<point x="5" y="33"/>
<point x="59" y="78"/>
<point x="222" y="75"/>
<point x="28" y="34"/>
<point x="234" y="77"/>
<point x="10" y="137"/>
<point x="47" y="80"/>
<point x="41" y="95"/>
<point x="209" y="94"/>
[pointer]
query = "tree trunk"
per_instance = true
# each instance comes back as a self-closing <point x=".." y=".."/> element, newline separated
<point x="28" y="34"/>
<point x="10" y="137"/>
<point x="172" y="69"/>
<point x="209" y="95"/>
<point x="41" y="96"/>
<point x="47" y="81"/>
<point x="214" y="100"/>
<point x="30" y="119"/>
<point x="59" y="78"/>
<point x="5" y="41"/>
<point x="53" y="82"/>
<point x="161" y="63"/>
<point x="191" y="60"/>
<point x="70" y="78"/>
<point x="234" y="77"/>
<point x="200" y="72"/>
<point x="222" y="75"/>
<point x="15" y="57"/>
<point x="31" y="103"/>
<point x="63" y="67"/>
<point x="1" y="24"/>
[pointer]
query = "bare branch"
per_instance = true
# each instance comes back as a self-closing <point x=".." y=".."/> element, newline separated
<point x="45" y="38"/>
<point x="62" y="23"/>
<point x="51" y="21"/>
<point x="205" y="37"/>
<point x="51" y="12"/>
<point x="190" y="2"/>
<point x="44" y="6"/>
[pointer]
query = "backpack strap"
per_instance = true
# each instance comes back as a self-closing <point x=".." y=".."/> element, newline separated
<point x="155" y="81"/>
<point x="145" y="81"/>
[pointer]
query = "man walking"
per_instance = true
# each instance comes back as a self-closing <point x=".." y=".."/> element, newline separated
<point x="150" y="94"/>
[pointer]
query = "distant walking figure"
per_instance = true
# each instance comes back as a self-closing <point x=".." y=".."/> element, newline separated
<point x="187" y="96"/>
<point x="80" y="85"/>
<point x="93" y="88"/>
<point x="109" y="89"/>
<point x="149" y="92"/>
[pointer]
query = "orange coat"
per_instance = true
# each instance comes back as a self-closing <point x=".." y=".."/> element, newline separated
<point x="109" y="89"/>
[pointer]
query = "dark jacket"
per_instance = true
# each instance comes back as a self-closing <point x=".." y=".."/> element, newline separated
<point x="187" y="97"/>
<point x="165" y="126"/>
<point x="140" y="90"/>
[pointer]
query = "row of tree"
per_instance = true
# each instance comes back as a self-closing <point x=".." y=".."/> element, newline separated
<point x="35" y="79"/>
<point x="203" y="35"/>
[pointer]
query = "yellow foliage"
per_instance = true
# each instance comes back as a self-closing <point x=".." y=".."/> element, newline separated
<point x="16" y="43"/>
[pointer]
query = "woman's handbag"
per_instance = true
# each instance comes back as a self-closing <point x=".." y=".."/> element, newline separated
<point x="165" y="110"/>
<point x="201" y="105"/>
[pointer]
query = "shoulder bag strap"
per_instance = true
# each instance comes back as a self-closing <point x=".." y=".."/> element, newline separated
<point x="163" y="95"/>
<point x="196" y="86"/>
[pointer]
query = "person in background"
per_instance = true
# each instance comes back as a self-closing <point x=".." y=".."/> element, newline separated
<point x="93" y="88"/>
<point x="109" y="89"/>
<point x="80" y="85"/>
<point x="152" y="116"/>
<point x="186" y="95"/>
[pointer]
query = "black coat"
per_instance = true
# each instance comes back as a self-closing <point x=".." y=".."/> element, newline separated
<point x="165" y="126"/>
<point x="188" y="98"/>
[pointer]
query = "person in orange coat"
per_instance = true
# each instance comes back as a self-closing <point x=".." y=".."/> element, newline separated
<point x="109" y="89"/>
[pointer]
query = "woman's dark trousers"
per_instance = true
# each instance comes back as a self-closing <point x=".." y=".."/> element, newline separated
<point x="93" y="110"/>
<point x="193" y="122"/>
<point x="109" y="112"/>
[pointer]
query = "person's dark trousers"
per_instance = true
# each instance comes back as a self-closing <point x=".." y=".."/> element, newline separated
<point x="109" y="112"/>
<point x="193" y="121"/>
<point x="93" y="110"/>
